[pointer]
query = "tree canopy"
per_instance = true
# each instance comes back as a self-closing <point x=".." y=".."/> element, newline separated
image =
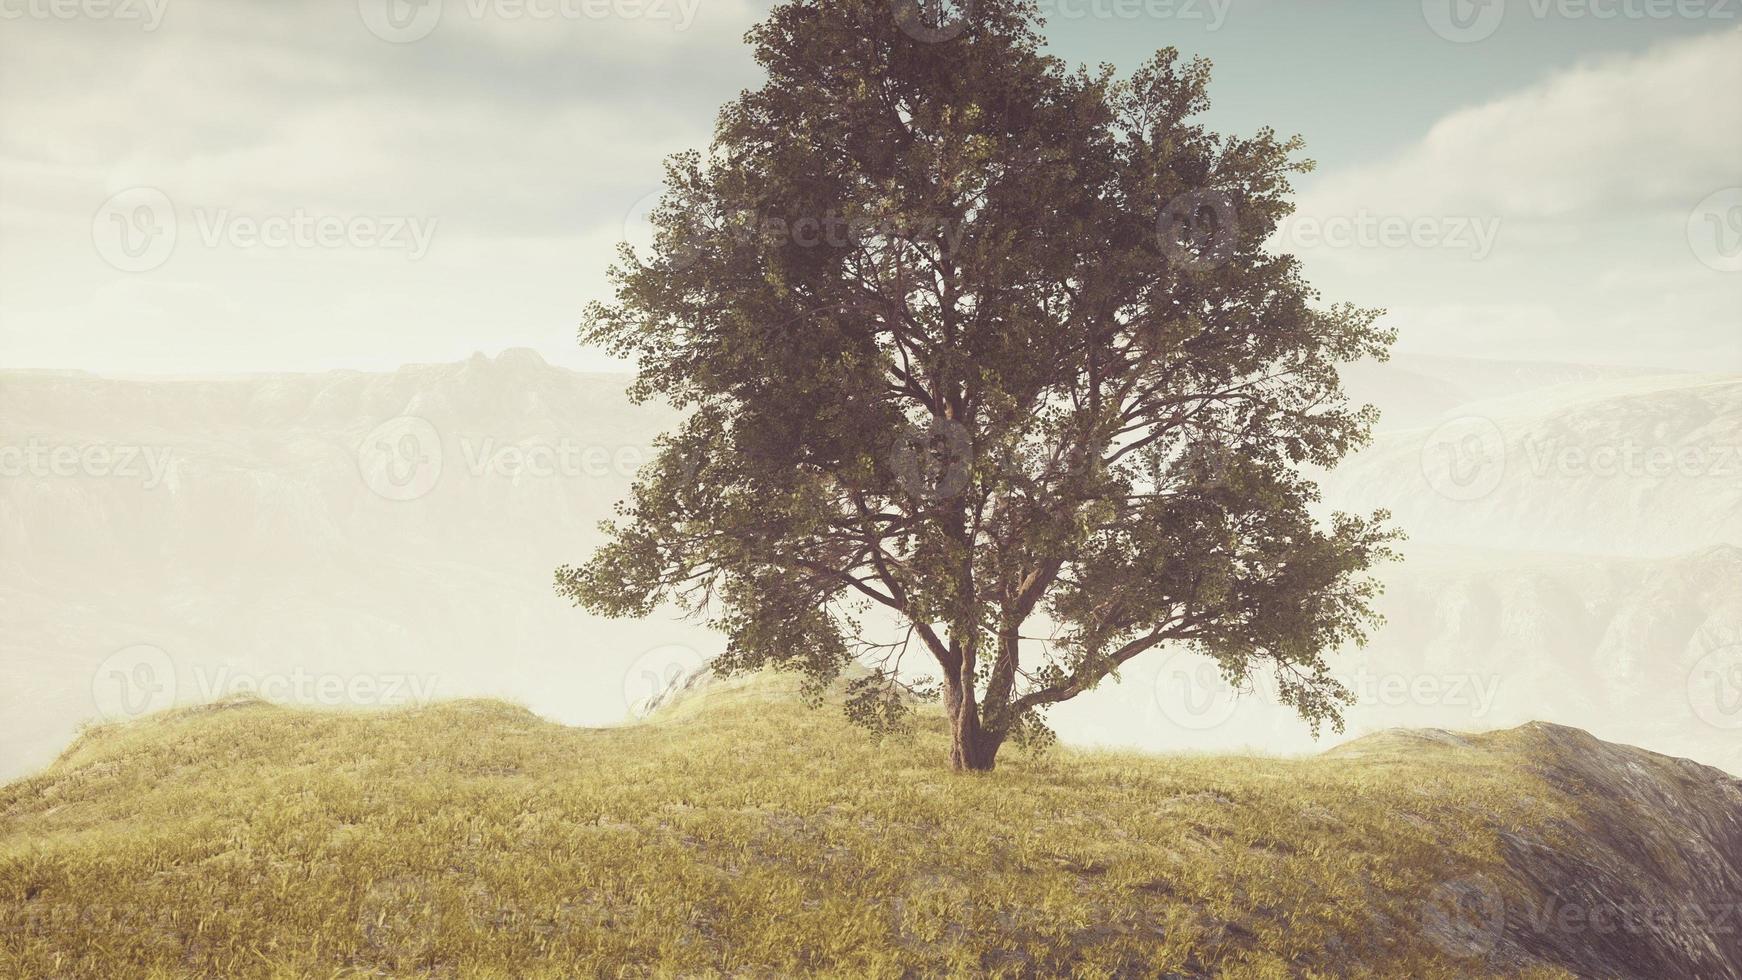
<point x="995" y="346"/>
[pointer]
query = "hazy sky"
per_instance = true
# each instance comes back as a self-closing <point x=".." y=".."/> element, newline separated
<point x="218" y="186"/>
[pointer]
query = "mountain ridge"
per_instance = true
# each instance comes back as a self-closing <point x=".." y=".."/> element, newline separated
<point x="265" y="535"/>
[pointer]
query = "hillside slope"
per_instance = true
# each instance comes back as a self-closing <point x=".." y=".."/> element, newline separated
<point x="740" y="833"/>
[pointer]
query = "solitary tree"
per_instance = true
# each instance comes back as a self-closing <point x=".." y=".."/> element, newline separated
<point x="997" y="347"/>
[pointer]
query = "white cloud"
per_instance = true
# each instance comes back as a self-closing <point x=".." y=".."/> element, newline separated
<point x="1662" y="128"/>
<point x="527" y="138"/>
<point x="530" y="140"/>
<point x="1582" y="187"/>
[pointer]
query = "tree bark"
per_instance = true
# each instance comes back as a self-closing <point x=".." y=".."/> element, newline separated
<point x="972" y="747"/>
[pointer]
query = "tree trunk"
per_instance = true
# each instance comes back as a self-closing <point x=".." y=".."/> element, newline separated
<point x="972" y="747"/>
<point x="977" y="752"/>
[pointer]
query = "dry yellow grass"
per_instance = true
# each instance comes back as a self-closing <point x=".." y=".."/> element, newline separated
<point x="736" y="833"/>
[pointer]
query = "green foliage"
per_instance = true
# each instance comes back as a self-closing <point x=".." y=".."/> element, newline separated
<point x="980" y="341"/>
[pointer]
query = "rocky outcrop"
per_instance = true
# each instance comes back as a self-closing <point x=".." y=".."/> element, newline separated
<point x="1642" y="878"/>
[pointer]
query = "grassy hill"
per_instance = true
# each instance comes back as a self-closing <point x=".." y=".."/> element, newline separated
<point x="740" y="833"/>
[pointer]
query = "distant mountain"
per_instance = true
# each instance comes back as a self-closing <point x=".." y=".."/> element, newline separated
<point x="1640" y="466"/>
<point x="348" y="529"/>
<point x="1418" y="389"/>
<point x="1642" y="650"/>
<point x="367" y="538"/>
<point x="1615" y="645"/>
